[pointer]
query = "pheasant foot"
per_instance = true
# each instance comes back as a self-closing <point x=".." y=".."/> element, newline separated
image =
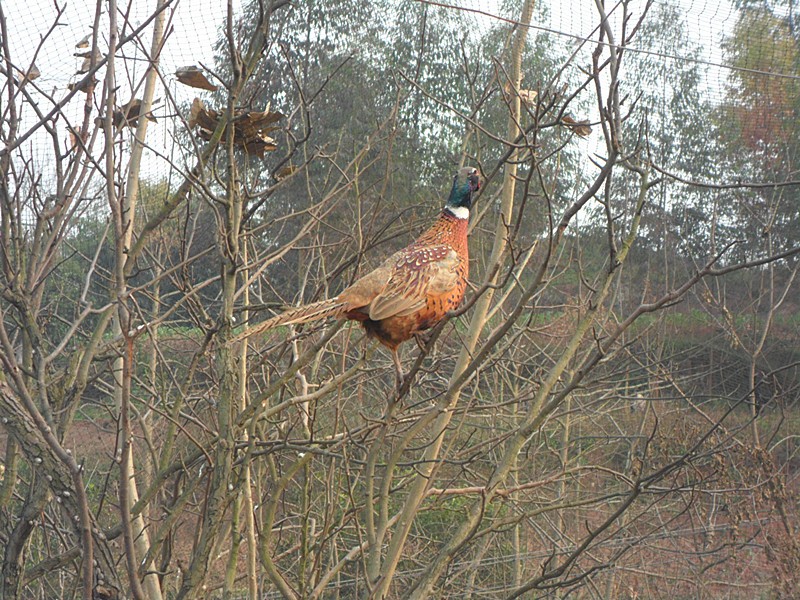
<point x="422" y="339"/>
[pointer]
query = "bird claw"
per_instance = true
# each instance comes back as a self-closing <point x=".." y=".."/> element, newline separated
<point x="422" y="339"/>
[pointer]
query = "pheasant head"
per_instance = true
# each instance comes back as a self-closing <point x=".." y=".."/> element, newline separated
<point x="466" y="183"/>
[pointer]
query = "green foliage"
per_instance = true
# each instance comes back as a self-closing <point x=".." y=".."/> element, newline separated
<point x="763" y="111"/>
<point x="758" y="125"/>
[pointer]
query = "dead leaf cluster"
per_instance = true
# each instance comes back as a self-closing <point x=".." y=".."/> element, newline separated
<point x="251" y="128"/>
<point x="85" y="86"/>
<point x="76" y="138"/>
<point x="87" y="60"/>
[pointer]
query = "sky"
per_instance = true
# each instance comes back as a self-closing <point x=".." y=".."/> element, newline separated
<point x="193" y="27"/>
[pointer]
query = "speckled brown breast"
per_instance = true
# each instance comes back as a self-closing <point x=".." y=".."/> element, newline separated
<point x="392" y="331"/>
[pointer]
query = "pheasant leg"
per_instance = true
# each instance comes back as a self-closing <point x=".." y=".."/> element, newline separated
<point x="399" y="375"/>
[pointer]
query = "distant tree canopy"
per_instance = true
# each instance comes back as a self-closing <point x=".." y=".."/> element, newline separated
<point x="759" y="123"/>
<point x="340" y="68"/>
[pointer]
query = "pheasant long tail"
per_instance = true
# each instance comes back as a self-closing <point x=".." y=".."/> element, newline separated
<point x="300" y="314"/>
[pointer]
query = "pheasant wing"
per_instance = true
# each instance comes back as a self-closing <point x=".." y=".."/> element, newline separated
<point x="418" y="272"/>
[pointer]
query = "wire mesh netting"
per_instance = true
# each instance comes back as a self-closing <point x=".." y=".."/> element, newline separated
<point x="697" y="37"/>
<point x="634" y="476"/>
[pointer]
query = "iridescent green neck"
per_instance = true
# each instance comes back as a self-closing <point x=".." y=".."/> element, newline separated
<point x="460" y="195"/>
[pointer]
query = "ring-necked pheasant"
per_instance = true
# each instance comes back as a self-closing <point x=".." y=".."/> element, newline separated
<point x="412" y="290"/>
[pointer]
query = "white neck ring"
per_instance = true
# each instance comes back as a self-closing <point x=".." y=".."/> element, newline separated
<point x="459" y="212"/>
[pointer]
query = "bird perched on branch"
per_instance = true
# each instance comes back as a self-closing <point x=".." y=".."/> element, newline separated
<point x="412" y="290"/>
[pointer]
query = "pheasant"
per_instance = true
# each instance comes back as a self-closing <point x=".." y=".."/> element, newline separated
<point x="412" y="290"/>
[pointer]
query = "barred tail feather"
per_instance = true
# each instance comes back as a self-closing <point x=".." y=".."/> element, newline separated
<point x="308" y="312"/>
<point x="301" y="314"/>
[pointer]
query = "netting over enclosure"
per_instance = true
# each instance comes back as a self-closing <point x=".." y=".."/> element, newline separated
<point x="705" y="40"/>
<point x="725" y="54"/>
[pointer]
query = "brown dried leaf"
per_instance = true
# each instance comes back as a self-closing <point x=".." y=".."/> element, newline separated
<point x="192" y="76"/>
<point x="259" y="146"/>
<point x="87" y="60"/>
<point x="256" y="124"/>
<point x="33" y="73"/>
<point x="83" y="86"/>
<point x="204" y="119"/>
<point x="76" y="139"/>
<point x="128" y="114"/>
<point x="194" y="112"/>
<point x="528" y="96"/>
<point x="252" y="129"/>
<point x="285" y="172"/>
<point x="84" y="43"/>
<point x="580" y="128"/>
